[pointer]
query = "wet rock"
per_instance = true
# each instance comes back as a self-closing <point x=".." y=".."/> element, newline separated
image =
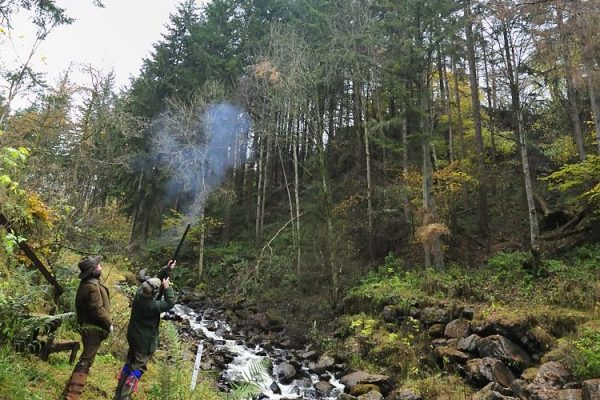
<point x="552" y="374"/>
<point x="324" y="387"/>
<point x="309" y="355"/>
<point x="275" y="388"/>
<point x="498" y="346"/>
<point x="481" y="371"/>
<point x="345" y="396"/>
<point x="403" y="394"/>
<point x="590" y="390"/>
<point x="459" y="328"/>
<point x="285" y="372"/>
<point x="434" y="315"/>
<point x="468" y="344"/>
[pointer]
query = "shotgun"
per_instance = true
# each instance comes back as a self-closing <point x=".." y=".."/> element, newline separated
<point x="166" y="272"/>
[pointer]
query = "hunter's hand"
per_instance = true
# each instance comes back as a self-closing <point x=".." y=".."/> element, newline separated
<point x="165" y="283"/>
<point x="171" y="264"/>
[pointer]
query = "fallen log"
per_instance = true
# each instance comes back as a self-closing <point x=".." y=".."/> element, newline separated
<point x="32" y="256"/>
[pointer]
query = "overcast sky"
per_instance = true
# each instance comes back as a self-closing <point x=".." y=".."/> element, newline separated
<point x="116" y="37"/>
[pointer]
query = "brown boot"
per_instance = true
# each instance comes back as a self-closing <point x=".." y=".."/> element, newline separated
<point x="74" y="387"/>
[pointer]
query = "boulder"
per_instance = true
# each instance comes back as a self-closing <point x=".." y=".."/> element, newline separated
<point x="285" y="372"/>
<point x="324" y="387"/>
<point x="467" y="313"/>
<point x="436" y="330"/>
<point x="468" y="344"/>
<point x="459" y="328"/>
<point x="570" y="394"/>
<point x="493" y="391"/>
<point x="481" y="371"/>
<point x="325" y="363"/>
<point x="390" y="314"/>
<point x="434" y="315"/>
<point x="590" y="390"/>
<point x="363" y="388"/>
<point x="403" y="394"/>
<point x="498" y="346"/>
<point x="552" y="375"/>
<point x="353" y="379"/>
<point x="371" y="396"/>
<point x="446" y="354"/>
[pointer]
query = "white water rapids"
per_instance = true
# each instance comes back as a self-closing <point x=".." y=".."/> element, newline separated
<point x="245" y="357"/>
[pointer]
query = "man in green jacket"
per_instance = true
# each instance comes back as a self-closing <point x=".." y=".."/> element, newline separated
<point x="92" y="303"/>
<point x="142" y="332"/>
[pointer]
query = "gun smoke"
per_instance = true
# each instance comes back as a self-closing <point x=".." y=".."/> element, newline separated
<point x="198" y="146"/>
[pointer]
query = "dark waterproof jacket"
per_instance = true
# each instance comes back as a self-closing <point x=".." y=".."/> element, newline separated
<point x="92" y="303"/>
<point x="142" y="332"/>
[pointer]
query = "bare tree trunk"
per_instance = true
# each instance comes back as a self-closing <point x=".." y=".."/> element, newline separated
<point x="516" y="105"/>
<point x="369" y="183"/>
<point x="297" y="200"/>
<point x="459" y="121"/>
<point x="491" y="108"/>
<point x="257" y="230"/>
<point x="200" y="266"/>
<point x="593" y="99"/>
<point x="481" y="170"/>
<point x="136" y="213"/>
<point x="265" y="183"/>
<point x="431" y="244"/>
<point x="571" y="91"/>
<point x="448" y="110"/>
<point x="407" y="207"/>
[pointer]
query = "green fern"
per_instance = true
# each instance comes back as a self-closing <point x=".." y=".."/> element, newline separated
<point x="249" y="386"/>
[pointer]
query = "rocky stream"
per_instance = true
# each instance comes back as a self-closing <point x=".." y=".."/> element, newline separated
<point x="491" y="355"/>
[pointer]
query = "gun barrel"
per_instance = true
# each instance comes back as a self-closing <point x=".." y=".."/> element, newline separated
<point x="187" y="228"/>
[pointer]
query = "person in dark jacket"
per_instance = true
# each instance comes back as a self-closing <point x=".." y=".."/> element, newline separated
<point x="92" y="303"/>
<point x="142" y="332"/>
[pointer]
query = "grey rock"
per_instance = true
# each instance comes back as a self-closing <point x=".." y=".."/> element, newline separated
<point x="481" y="371"/>
<point x="498" y="346"/>
<point x="373" y="395"/>
<point x="459" y="328"/>
<point x="552" y="375"/>
<point x="434" y="315"/>
<point x="468" y="344"/>
<point x="590" y="390"/>
<point x="324" y="387"/>
<point x="403" y="394"/>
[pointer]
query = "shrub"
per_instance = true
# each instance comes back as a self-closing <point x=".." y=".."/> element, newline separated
<point x="587" y="354"/>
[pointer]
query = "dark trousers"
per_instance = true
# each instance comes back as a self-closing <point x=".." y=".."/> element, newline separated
<point x="137" y="360"/>
<point x="91" y="344"/>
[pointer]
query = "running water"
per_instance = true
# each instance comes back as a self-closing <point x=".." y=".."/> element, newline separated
<point x="244" y="357"/>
